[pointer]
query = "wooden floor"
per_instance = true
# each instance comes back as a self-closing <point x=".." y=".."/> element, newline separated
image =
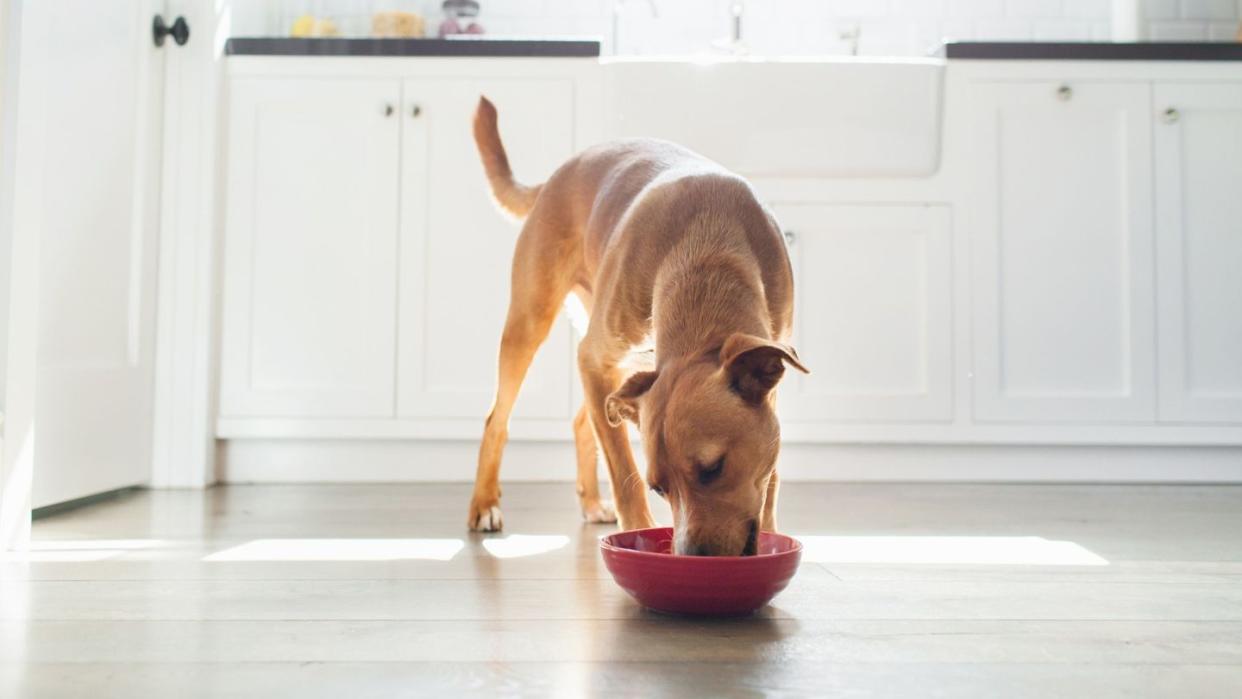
<point x="907" y="590"/>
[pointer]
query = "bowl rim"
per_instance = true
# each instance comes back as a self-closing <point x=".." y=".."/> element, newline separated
<point x="605" y="544"/>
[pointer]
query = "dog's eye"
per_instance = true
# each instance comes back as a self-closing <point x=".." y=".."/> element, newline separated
<point x="657" y="490"/>
<point x="711" y="472"/>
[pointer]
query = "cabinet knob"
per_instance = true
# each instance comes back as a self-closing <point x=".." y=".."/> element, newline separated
<point x="790" y="237"/>
<point x="1170" y="116"/>
<point x="1065" y="93"/>
<point x="389" y="109"/>
<point x="416" y="111"/>
<point x="161" y="30"/>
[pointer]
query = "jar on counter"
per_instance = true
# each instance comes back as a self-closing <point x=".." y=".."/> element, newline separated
<point x="460" y="17"/>
<point x="350" y="18"/>
<point x="397" y="19"/>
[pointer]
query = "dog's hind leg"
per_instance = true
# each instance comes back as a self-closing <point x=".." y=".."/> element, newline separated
<point x="540" y="284"/>
<point x="593" y="508"/>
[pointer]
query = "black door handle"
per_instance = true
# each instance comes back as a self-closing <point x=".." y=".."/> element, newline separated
<point x="179" y="30"/>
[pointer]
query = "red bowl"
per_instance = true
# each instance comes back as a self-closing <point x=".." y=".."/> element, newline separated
<point x="642" y="563"/>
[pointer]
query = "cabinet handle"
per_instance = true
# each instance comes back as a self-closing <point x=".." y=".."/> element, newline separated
<point x="1170" y="116"/>
<point x="416" y="111"/>
<point x="1065" y="93"/>
<point x="388" y="110"/>
<point x="790" y="237"/>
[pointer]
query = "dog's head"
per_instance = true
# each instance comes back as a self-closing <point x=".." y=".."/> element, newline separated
<point x="711" y="436"/>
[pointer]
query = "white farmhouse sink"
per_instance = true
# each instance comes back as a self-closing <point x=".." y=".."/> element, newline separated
<point x="786" y="118"/>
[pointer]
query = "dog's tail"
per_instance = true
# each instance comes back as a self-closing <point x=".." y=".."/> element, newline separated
<point x="517" y="199"/>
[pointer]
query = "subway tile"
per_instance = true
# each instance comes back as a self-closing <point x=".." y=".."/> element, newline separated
<point x="1209" y="9"/>
<point x="1161" y="9"/>
<point x="1033" y="8"/>
<point x="918" y="8"/>
<point x="1088" y="9"/>
<point x="1101" y="31"/>
<point x="1002" y="30"/>
<point x="957" y="30"/>
<point x="887" y="39"/>
<point x="857" y="8"/>
<point x="1060" y="30"/>
<point x="511" y="8"/>
<point x="975" y="8"/>
<point x="1223" y="31"/>
<point x="1172" y="30"/>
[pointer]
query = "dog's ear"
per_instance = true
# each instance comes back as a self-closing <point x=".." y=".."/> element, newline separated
<point x="623" y="403"/>
<point x="755" y="365"/>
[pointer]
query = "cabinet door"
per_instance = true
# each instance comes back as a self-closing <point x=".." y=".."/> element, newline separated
<point x="873" y="318"/>
<point x="1061" y="235"/>
<point x="457" y="247"/>
<point x="1199" y="251"/>
<point x="310" y="248"/>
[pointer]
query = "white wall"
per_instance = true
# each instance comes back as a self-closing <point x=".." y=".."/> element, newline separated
<point x="8" y="126"/>
<point x="18" y="283"/>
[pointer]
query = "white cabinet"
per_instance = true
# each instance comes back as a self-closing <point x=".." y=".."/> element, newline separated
<point x="1199" y="228"/>
<point x="873" y="317"/>
<point x="457" y="248"/>
<point x="310" y="248"/>
<point x="1073" y="254"/>
<point x="1062" y="248"/>
<point x="366" y="266"/>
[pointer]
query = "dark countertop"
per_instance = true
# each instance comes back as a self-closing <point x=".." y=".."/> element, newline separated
<point x="1094" y="51"/>
<point x="517" y="48"/>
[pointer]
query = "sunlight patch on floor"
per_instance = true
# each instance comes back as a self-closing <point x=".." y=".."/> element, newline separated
<point x="519" y="545"/>
<point x="340" y="550"/>
<point x="947" y="550"/>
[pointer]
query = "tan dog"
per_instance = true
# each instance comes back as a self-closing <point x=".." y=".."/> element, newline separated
<point x="664" y="247"/>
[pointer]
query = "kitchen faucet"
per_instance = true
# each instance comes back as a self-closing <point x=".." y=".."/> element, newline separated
<point x="852" y="35"/>
<point x="734" y="44"/>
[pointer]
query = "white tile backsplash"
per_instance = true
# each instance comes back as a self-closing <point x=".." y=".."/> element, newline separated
<point x="1223" y="31"/>
<point x="1033" y="8"/>
<point x="976" y="8"/>
<point x="1162" y="9"/>
<point x="1061" y="30"/>
<point x="1209" y="9"/>
<point x="795" y="27"/>
<point x="1195" y="20"/>
<point x="1178" y="30"/>
<point x="1087" y="9"/>
<point x="1004" y="29"/>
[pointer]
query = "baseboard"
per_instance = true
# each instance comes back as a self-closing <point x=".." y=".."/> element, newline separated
<point x="77" y="503"/>
<point x="377" y="461"/>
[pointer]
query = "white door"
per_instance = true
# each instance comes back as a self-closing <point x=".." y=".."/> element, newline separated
<point x="310" y="259"/>
<point x="873" y="316"/>
<point x="1062" y="253"/>
<point x="1199" y="251"/>
<point x="100" y="101"/>
<point x="457" y="248"/>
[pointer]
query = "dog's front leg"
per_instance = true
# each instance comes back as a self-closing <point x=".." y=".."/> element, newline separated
<point x="629" y="488"/>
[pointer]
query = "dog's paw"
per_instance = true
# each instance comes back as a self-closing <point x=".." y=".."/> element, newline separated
<point x="486" y="519"/>
<point x="600" y="512"/>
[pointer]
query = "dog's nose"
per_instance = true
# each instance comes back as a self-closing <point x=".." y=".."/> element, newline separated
<point x="752" y="540"/>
